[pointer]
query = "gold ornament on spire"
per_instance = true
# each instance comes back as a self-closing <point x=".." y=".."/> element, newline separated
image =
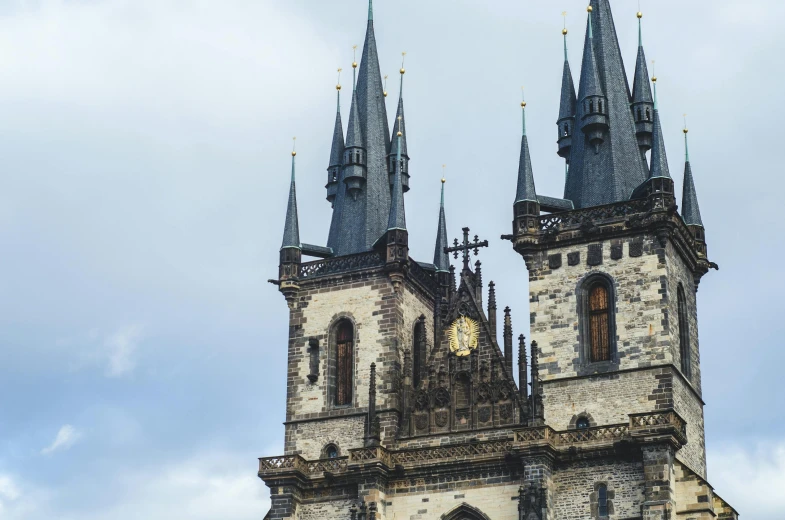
<point x="444" y="176"/>
<point x="654" y="70"/>
<point x="403" y="60"/>
<point x="640" y="14"/>
<point x="385" y="85"/>
<point x="399" y="126"/>
<point x="294" y="146"/>
<point x="523" y="98"/>
<point x="354" y="61"/>
<point x="589" y="9"/>
<point x="686" y="130"/>
<point x="564" y="31"/>
<point x="338" y="86"/>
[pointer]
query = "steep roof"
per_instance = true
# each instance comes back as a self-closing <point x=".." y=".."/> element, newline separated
<point x="441" y="259"/>
<point x="291" y="230"/>
<point x="690" y="210"/>
<point x="526" y="189"/>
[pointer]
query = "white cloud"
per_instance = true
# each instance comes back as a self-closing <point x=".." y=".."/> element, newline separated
<point x="66" y="437"/>
<point x="121" y="349"/>
<point x="751" y="477"/>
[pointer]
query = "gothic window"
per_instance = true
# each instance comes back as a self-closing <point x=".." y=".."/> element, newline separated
<point x="462" y="391"/>
<point x="582" y="424"/>
<point x="330" y="452"/>
<point x="602" y="501"/>
<point x="639" y="114"/>
<point x="357" y="157"/>
<point x="591" y="107"/>
<point x="648" y="114"/>
<point x="344" y="363"/>
<point x="419" y="351"/>
<point x="684" y="335"/>
<point x="599" y="323"/>
<point x="599" y="104"/>
<point x="596" y="307"/>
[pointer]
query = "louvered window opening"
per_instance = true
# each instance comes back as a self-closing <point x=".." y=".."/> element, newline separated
<point x="345" y="364"/>
<point x="684" y="335"/>
<point x="599" y="323"/>
<point x="602" y="501"/>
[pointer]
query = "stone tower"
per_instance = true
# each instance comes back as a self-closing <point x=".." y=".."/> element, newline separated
<point x="402" y="400"/>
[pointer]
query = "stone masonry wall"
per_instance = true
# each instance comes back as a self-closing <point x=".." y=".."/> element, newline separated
<point x="497" y="501"/>
<point x="689" y="406"/>
<point x="575" y="489"/>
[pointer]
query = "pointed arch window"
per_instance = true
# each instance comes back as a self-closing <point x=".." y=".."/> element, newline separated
<point x="597" y="317"/>
<point x="344" y="363"/>
<point x="599" y="323"/>
<point x="684" y="334"/>
<point x="602" y="501"/>
<point x="419" y="352"/>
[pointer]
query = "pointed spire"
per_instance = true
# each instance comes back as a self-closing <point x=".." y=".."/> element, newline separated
<point x="659" y="159"/>
<point x="397" y="219"/>
<point x="567" y="106"/>
<point x="642" y="101"/>
<point x="441" y="259"/>
<point x="291" y="230"/>
<point x="508" y="340"/>
<point x="395" y="144"/>
<point x="492" y="308"/>
<point x="370" y="10"/>
<point x="336" y="152"/>
<point x="526" y="190"/>
<point x="523" y="375"/>
<point x="691" y="212"/>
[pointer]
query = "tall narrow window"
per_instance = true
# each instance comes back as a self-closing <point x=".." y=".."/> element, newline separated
<point x="602" y="501"/>
<point x="344" y="360"/>
<point x="419" y="352"/>
<point x="599" y="323"/>
<point x="684" y="335"/>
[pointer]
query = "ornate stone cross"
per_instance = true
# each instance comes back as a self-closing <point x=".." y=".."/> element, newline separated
<point x="466" y="247"/>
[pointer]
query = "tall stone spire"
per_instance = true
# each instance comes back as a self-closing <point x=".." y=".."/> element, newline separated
<point x="397" y="217"/>
<point x="441" y="259"/>
<point x="335" y="182"/>
<point x="291" y="230"/>
<point x="526" y="190"/>
<point x="566" y="122"/>
<point x="690" y="210"/>
<point x="365" y="210"/>
<point x="400" y="124"/>
<point x="642" y="101"/>
<point x="397" y="235"/>
<point x="607" y="171"/>
<point x="659" y="159"/>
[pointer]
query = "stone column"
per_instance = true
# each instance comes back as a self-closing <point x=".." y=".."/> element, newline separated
<point x="659" y="493"/>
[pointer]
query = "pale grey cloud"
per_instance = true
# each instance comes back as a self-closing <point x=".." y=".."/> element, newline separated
<point x="66" y="437"/>
<point x="121" y="350"/>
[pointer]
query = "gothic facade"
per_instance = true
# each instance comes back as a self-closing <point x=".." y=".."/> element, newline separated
<point x="402" y="401"/>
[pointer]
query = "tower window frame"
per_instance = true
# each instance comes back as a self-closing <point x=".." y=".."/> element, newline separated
<point x="602" y="501"/>
<point x="341" y="369"/>
<point x="597" y="323"/>
<point x="685" y="342"/>
<point x="419" y="351"/>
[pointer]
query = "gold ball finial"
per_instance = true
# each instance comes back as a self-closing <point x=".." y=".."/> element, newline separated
<point x="337" y="87"/>
<point x="564" y="31"/>
<point x="354" y="64"/>
<point x="589" y="9"/>
<point x="385" y="93"/>
<point x="400" y="134"/>
<point x="444" y="180"/>
<point x="686" y="131"/>
<point x="640" y="15"/>
<point x="294" y="154"/>
<point x="403" y="71"/>
<point x="654" y="79"/>
<point x="523" y="104"/>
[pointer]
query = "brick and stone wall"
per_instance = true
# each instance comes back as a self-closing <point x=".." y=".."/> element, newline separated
<point x="575" y="489"/>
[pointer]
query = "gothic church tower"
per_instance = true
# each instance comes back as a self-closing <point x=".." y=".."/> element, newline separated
<point x="402" y="402"/>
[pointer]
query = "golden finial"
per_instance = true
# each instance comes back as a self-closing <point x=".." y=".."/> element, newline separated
<point x="403" y="60"/>
<point x="564" y="31"/>
<point x="654" y="70"/>
<point x="338" y="86"/>
<point x="399" y="126"/>
<point x="385" y="85"/>
<point x="294" y="146"/>
<point x="444" y="177"/>
<point x="640" y="14"/>
<point x="354" y="61"/>
<point x="686" y="130"/>
<point x="523" y="99"/>
<point x="589" y="9"/>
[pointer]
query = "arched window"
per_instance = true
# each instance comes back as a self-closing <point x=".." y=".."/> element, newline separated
<point x="648" y="114"/>
<point x="419" y="351"/>
<point x="591" y="107"/>
<point x="357" y="156"/>
<point x="602" y="501"/>
<point x="684" y="335"/>
<point x="599" y="104"/>
<point x="330" y="452"/>
<point x="599" y="322"/>
<point x="344" y="363"/>
<point x="582" y="424"/>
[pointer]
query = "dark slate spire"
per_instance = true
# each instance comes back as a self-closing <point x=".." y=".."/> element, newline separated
<point x="397" y="218"/>
<point x="691" y="212"/>
<point x="400" y="124"/>
<point x="594" y="122"/>
<point x="566" y="122"/>
<point x="642" y="101"/>
<point x="659" y="159"/>
<point x="441" y="259"/>
<point x="526" y="190"/>
<point x="364" y="213"/>
<point x="336" y="152"/>
<point x="608" y="172"/>
<point x="291" y="230"/>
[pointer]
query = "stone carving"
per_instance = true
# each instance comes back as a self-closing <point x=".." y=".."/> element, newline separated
<point x="484" y="414"/>
<point x="595" y="255"/>
<point x="636" y="248"/>
<point x="574" y="258"/>
<point x="555" y="261"/>
<point x="617" y="252"/>
<point x="441" y="417"/>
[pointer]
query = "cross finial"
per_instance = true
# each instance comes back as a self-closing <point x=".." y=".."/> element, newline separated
<point x="466" y="247"/>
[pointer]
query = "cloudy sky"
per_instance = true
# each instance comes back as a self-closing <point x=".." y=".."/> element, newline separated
<point x="145" y="162"/>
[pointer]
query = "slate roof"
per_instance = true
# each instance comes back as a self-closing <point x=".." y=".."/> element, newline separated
<point x="690" y="210"/>
<point x="659" y="159"/>
<point x="617" y="168"/>
<point x="397" y="217"/>
<point x="441" y="259"/>
<point x="291" y="230"/>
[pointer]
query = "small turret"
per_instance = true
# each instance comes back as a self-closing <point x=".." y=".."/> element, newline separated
<point x="354" y="155"/>
<point x="566" y="122"/>
<point x="690" y="210"/>
<point x="440" y="258"/>
<point x="397" y="234"/>
<point x="659" y="181"/>
<point x="395" y="144"/>
<point x="291" y="248"/>
<point x="642" y="102"/>
<point x="336" y="152"/>
<point x="526" y="207"/>
<point x="594" y="122"/>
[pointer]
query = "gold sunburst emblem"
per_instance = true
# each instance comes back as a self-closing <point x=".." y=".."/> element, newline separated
<point x="464" y="334"/>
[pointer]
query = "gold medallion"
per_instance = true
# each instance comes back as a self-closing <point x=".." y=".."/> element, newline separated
<point x="464" y="334"/>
